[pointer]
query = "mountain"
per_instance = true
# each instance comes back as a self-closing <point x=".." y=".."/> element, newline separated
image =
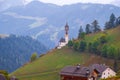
<point x="48" y="66"/>
<point x="16" y="51"/>
<point x="5" y="4"/>
<point x="45" y="22"/>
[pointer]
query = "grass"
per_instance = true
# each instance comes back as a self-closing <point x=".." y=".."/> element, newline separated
<point x="48" y="66"/>
<point x="112" y="36"/>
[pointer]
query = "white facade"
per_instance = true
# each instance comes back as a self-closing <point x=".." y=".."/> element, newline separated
<point x="66" y="39"/>
<point x="61" y="44"/>
<point x="108" y="73"/>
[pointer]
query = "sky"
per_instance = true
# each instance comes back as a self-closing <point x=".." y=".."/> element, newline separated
<point x="64" y="2"/>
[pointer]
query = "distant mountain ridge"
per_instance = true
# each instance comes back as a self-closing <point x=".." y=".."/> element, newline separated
<point x="45" y="22"/>
<point x="16" y="51"/>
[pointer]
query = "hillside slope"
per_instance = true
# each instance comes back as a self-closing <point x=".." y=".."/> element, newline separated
<point x="49" y="66"/>
<point x="16" y="51"/>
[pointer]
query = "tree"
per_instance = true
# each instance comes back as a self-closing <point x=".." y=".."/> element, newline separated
<point x="75" y="46"/>
<point x="95" y="45"/>
<point x="82" y="35"/>
<point x="82" y="46"/>
<point x="103" y="39"/>
<point x="90" y="47"/>
<point x="107" y="25"/>
<point x="112" y="20"/>
<point x="33" y="57"/>
<point x="117" y="22"/>
<point x="80" y="32"/>
<point x="70" y="43"/>
<point x="111" y="51"/>
<point x="96" y="27"/>
<point x="104" y="51"/>
<point x="115" y="65"/>
<point x="87" y="29"/>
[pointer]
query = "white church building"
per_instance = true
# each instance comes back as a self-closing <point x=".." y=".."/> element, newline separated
<point x="64" y="41"/>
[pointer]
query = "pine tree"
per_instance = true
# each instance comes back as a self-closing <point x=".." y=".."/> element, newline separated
<point x="70" y="43"/>
<point x="112" y="21"/>
<point x="80" y="32"/>
<point x="87" y="29"/>
<point x="95" y="25"/>
<point x="82" y="46"/>
<point x="107" y="26"/>
<point x="117" y="22"/>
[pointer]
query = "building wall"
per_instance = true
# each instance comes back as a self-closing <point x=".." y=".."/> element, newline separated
<point x="66" y="77"/>
<point x="66" y="38"/>
<point x="61" y="44"/>
<point x="108" y="73"/>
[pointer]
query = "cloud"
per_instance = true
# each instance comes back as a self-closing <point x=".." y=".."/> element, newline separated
<point x="63" y="2"/>
<point x="116" y="2"/>
<point x="38" y="21"/>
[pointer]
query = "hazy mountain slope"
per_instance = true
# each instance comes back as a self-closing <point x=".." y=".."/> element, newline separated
<point x="39" y="19"/>
<point x="49" y="66"/>
<point x="16" y="51"/>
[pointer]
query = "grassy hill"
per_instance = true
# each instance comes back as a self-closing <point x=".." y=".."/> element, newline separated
<point x="48" y="66"/>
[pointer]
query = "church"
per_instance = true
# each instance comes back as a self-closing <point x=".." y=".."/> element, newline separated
<point x="64" y="41"/>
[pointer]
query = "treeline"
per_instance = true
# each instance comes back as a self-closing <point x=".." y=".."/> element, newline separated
<point x="17" y="50"/>
<point x="95" y="27"/>
<point x="98" y="46"/>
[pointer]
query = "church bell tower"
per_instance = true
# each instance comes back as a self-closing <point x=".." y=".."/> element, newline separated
<point x="66" y="33"/>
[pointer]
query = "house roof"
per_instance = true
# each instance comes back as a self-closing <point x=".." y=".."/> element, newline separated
<point x="99" y="67"/>
<point x="75" y="71"/>
<point x="62" y="40"/>
<point x="2" y="77"/>
<point x="83" y="71"/>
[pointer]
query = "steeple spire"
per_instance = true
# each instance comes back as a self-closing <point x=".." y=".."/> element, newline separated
<point x="66" y="28"/>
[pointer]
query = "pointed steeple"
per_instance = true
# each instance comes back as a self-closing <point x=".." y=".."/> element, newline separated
<point x="66" y="28"/>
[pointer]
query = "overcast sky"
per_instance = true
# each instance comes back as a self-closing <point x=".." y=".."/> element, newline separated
<point x="63" y="2"/>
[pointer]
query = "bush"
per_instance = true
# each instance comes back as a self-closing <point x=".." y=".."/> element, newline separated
<point x="33" y="57"/>
<point x="76" y="46"/>
<point x="70" y="43"/>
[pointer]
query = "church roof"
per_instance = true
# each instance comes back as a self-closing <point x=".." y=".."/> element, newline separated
<point x="62" y="40"/>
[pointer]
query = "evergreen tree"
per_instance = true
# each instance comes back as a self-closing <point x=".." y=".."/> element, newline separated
<point x="112" y="21"/>
<point x="117" y="22"/>
<point x="107" y="25"/>
<point x="95" y="25"/>
<point x="95" y="45"/>
<point x="80" y="32"/>
<point x="75" y="46"/>
<point x="82" y="46"/>
<point x="87" y="29"/>
<point x="111" y="51"/>
<point x="90" y="47"/>
<point x="70" y="43"/>
<point x="115" y="66"/>
<point x="104" y="51"/>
